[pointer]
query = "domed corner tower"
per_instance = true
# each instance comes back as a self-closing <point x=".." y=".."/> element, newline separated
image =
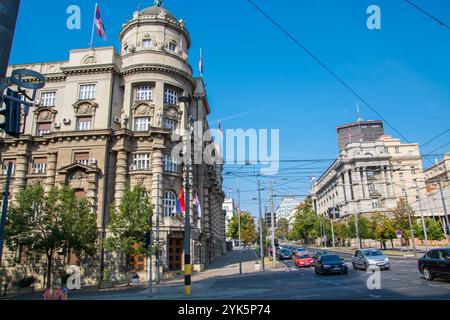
<point x="154" y="52"/>
<point x="155" y="36"/>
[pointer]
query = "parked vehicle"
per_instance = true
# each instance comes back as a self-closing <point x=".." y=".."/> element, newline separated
<point x="370" y="258"/>
<point x="303" y="260"/>
<point x="301" y="251"/>
<point x="329" y="264"/>
<point x="284" y="254"/>
<point x="435" y="264"/>
<point x="319" y="253"/>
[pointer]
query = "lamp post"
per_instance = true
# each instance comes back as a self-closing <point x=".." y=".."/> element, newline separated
<point x="239" y="214"/>
<point x="187" y="220"/>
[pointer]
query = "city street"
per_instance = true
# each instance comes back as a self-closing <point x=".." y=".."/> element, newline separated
<point x="221" y="281"/>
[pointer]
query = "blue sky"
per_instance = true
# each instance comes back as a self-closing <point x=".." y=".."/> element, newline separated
<point x="403" y="70"/>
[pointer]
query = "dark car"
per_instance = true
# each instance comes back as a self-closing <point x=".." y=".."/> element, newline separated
<point x="435" y="264"/>
<point x="329" y="264"/>
<point x="284" y="254"/>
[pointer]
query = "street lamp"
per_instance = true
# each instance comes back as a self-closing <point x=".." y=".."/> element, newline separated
<point x="239" y="214"/>
<point x="187" y="220"/>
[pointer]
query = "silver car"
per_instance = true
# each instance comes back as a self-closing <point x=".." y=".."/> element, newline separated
<point x="370" y="258"/>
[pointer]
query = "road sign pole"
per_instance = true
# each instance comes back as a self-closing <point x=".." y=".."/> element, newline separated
<point x="5" y="208"/>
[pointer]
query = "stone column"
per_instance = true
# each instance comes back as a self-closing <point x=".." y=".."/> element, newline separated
<point x="385" y="181"/>
<point x="92" y="190"/>
<point x="349" y="185"/>
<point x="51" y="171"/>
<point x="361" y="185"/>
<point x="389" y="181"/>
<point x="121" y="175"/>
<point x="366" y="182"/>
<point x="21" y="171"/>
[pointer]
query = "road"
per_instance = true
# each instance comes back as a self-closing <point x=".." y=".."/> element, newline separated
<point x="222" y="281"/>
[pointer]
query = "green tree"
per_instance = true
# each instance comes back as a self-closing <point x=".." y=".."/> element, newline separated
<point x="434" y="230"/>
<point x="248" y="228"/>
<point x="306" y="226"/>
<point x="129" y="223"/>
<point x="382" y="228"/>
<point x="45" y="223"/>
<point x="401" y="218"/>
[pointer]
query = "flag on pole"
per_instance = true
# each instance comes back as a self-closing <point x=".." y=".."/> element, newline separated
<point x="200" y="64"/>
<point x="197" y="204"/>
<point x="349" y="136"/>
<point x="101" y="30"/>
<point x="220" y="130"/>
<point x="313" y="178"/>
<point x="180" y="206"/>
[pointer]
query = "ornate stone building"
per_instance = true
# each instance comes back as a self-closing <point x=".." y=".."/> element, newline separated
<point x="371" y="176"/>
<point x="105" y="119"/>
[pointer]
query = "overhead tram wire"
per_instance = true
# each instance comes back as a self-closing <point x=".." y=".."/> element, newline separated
<point x="439" y="21"/>
<point x="328" y="69"/>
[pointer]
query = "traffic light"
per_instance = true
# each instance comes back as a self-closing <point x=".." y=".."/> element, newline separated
<point x="11" y="112"/>
<point x="146" y="240"/>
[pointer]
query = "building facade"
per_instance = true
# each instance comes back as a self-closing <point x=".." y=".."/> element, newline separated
<point x="360" y="131"/>
<point x="287" y="209"/>
<point x="107" y="119"/>
<point x="370" y="177"/>
<point x="230" y="208"/>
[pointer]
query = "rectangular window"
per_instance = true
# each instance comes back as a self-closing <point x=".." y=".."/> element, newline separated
<point x="43" y="129"/>
<point x="170" y="96"/>
<point x="170" y="164"/>
<point x="82" y="158"/>
<point x="87" y="92"/>
<point x="48" y="99"/>
<point x="172" y="46"/>
<point x="402" y="177"/>
<point x="170" y="124"/>
<point x="141" y="161"/>
<point x="386" y="150"/>
<point x="372" y="188"/>
<point x="146" y="43"/>
<point x="397" y="149"/>
<point x="144" y="93"/>
<point x="39" y="166"/>
<point x="84" y="123"/>
<point x="413" y="169"/>
<point x="375" y="204"/>
<point x="5" y="166"/>
<point x="142" y="124"/>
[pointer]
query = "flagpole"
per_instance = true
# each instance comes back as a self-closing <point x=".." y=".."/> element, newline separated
<point x="93" y="27"/>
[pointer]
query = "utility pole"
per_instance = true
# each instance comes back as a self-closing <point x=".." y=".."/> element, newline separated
<point x="9" y="11"/>
<point x="445" y="210"/>
<point x="239" y="215"/>
<point x="272" y="217"/>
<point x="410" y="222"/>
<point x="5" y="208"/>
<point x="332" y="227"/>
<point x="261" y="223"/>
<point x="187" y="238"/>
<point x="423" y="220"/>
<point x="157" y="230"/>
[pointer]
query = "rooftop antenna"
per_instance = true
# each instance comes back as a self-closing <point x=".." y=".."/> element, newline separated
<point x="139" y="7"/>
<point x="358" y="110"/>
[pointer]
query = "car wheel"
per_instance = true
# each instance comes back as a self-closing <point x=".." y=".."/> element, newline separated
<point x="386" y="268"/>
<point x="427" y="274"/>
<point x="354" y="266"/>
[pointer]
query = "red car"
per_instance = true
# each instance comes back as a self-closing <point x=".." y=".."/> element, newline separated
<point x="303" y="260"/>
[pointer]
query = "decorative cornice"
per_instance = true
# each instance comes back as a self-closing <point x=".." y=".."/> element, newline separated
<point x="90" y="69"/>
<point x="145" y="67"/>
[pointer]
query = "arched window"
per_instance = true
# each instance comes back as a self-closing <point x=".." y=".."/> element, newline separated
<point x="169" y="203"/>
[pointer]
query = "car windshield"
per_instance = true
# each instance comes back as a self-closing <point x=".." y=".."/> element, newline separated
<point x="372" y="253"/>
<point x="301" y="249"/>
<point x="305" y="256"/>
<point x="328" y="259"/>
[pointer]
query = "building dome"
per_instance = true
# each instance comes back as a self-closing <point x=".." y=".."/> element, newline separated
<point x="156" y="11"/>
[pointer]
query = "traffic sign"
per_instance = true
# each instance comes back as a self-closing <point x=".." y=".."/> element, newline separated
<point x="399" y="234"/>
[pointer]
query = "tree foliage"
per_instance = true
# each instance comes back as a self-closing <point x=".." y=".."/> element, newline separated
<point x="45" y="223"/>
<point x="248" y="228"/>
<point x="307" y="224"/>
<point x="434" y="230"/>
<point x="129" y="221"/>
